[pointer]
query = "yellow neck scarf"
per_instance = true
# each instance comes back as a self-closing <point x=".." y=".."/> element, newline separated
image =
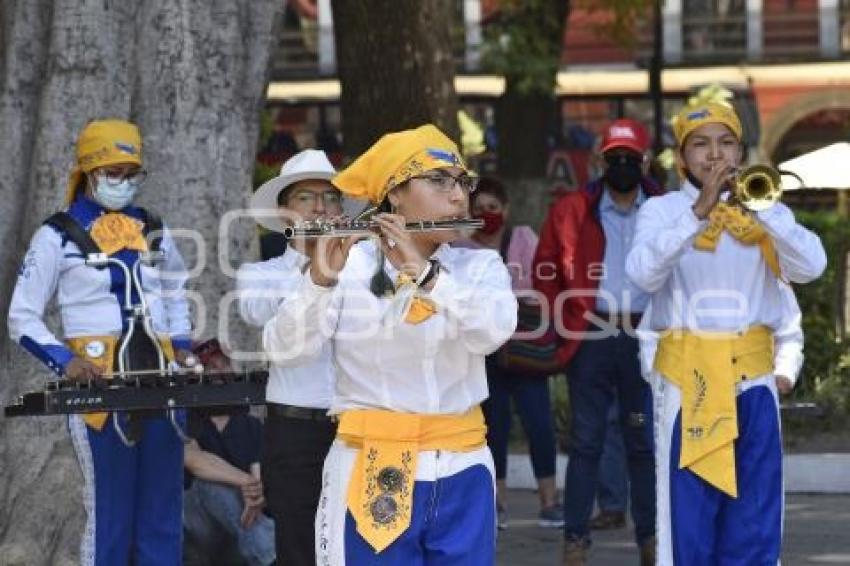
<point x="114" y="231"/>
<point x="706" y="368"/>
<point x="740" y="226"/>
<point x="421" y="308"/>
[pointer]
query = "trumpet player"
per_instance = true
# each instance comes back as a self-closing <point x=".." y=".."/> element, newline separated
<point x="409" y="320"/>
<point x="716" y="274"/>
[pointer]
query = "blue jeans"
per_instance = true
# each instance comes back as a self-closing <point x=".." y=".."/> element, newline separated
<point x="211" y="516"/>
<point x="531" y="396"/>
<point x="600" y="371"/>
<point x="613" y="472"/>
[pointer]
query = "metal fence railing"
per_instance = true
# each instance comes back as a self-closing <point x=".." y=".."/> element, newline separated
<point x="706" y="39"/>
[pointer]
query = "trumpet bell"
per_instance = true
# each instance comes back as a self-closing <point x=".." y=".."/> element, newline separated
<point x="758" y="187"/>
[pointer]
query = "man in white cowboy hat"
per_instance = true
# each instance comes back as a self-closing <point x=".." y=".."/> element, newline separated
<point x="298" y="432"/>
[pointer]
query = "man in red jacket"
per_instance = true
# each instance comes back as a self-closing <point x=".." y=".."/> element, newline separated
<point x="580" y="268"/>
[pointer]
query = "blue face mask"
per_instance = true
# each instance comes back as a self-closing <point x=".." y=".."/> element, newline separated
<point x="114" y="197"/>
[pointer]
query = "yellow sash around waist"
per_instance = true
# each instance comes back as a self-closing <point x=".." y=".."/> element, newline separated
<point x="100" y="351"/>
<point x="380" y="493"/>
<point x="706" y="367"/>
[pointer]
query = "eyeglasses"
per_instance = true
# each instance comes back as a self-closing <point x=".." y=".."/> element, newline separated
<point x="444" y="183"/>
<point x="307" y="198"/>
<point x="115" y="178"/>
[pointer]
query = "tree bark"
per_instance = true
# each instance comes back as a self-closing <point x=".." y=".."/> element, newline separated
<point x="192" y="75"/>
<point x="523" y="123"/>
<point x="527" y="108"/>
<point x="396" y="68"/>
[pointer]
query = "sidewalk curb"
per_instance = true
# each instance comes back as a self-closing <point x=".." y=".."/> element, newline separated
<point x="804" y="473"/>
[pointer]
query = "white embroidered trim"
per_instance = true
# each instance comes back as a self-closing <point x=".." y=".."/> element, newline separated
<point x="80" y="439"/>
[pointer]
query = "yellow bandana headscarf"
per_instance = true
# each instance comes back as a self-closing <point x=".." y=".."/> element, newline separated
<point x="102" y="143"/>
<point x="692" y="117"/>
<point x="394" y="159"/>
<point x="740" y="226"/>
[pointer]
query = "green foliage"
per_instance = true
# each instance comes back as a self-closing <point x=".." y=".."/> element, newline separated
<point x="826" y="373"/>
<point x="263" y="172"/>
<point x="624" y="16"/>
<point x="524" y="43"/>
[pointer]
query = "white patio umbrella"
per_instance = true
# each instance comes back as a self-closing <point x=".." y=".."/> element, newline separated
<point x="824" y="168"/>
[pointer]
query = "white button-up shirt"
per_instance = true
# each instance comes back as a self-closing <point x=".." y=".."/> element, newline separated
<point x="262" y="288"/>
<point x="728" y="289"/>
<point x="434" y="367"/>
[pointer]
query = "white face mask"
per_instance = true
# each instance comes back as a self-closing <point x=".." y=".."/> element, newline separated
<point x="114" y="197"/>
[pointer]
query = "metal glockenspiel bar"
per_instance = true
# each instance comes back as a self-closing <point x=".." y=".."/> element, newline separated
<point x="158" y="392"/>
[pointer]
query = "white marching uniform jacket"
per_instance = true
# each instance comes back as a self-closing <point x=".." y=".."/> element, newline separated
<point x="89" y="299"/>
<point x="262" y="287"/>
<point x="434" y="367"/>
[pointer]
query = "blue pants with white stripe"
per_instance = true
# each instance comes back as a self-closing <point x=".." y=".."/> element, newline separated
<point x="710" y="528"/>
<point x="133" y="496"/>
<point x="453" y="519"/>
<point x="451" y="525"/>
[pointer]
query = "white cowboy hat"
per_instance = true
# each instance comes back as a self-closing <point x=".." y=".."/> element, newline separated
<point x="307" y="164"/>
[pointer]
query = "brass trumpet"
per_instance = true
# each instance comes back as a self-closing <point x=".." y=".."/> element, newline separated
<point x="757" y="187"/>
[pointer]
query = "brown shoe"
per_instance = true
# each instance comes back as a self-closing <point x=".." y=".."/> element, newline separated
<point x="648" y="551"/>
<point x="608" y="520"/>
<point x="575" y="552"/>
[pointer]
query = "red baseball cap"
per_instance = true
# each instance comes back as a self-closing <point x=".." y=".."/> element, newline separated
<point x="625" y="133"/>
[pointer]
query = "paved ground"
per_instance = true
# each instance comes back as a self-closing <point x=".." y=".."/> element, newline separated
<point x="816" y="532"/>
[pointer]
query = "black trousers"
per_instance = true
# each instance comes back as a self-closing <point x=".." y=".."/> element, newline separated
<point x="294" y="452"/>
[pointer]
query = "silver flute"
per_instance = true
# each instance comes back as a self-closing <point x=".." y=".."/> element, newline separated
<point x="322" y="229"/>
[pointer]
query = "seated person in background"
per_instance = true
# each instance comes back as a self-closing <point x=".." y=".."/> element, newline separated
<point x="223" y="503"/>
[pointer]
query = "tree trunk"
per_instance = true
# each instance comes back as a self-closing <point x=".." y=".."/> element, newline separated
<point x="524" y="122"/>
<point x="396" y="68"/>
<point x="526" y="112"/>
<point x="192" y="75"/>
